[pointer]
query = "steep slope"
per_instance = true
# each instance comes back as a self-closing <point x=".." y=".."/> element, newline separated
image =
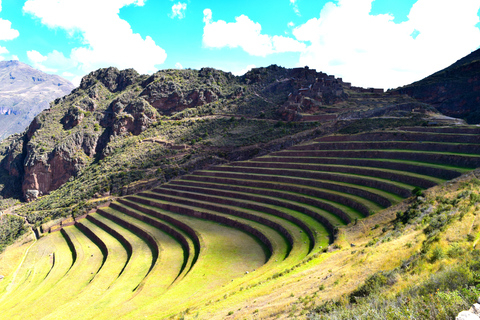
<point x="454" y="91"/>
<point x="24" y="93"/>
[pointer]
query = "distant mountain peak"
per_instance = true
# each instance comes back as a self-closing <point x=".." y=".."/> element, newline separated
<point x="25" y="92"/>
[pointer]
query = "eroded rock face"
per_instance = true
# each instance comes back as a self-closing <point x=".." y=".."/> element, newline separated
<point x="73" y="117"/>
<point x="168" y="99"/>
<point x="113" y="79"/>
<point x="45" y="173"/>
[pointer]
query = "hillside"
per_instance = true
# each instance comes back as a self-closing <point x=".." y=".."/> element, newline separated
<point x="454" y="91"/>
<point x="199" y="194"/>
<point x="276" y="236"/>
<point x="24" y="93"/>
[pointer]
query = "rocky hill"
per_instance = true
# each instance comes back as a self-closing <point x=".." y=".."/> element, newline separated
<point x="114" y="111"/>
<point x="24" y="93"/>
<point x="454" y="91"/>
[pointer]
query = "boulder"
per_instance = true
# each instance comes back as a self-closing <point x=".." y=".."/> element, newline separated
<point x="466" y="315"/>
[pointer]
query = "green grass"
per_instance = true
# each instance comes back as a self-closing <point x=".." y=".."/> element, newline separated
<point x="227" y="254"/>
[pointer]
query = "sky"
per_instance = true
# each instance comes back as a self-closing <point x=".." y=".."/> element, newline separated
<point x="370" y="43"/>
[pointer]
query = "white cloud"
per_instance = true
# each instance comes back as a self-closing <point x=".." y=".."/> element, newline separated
<point x="295" y="7"/>
<point x="246" y="34"/>
<point x="178" y="10"/>
<point x="178" y="65"/>
<point x="15" y="57"/>
<point x="53" y="62"/>
<point x="291" y="24"/>
<point x="372" y="50"/>
<point x="3" y="50"/>
<point x="108" y="40"/>
<point x="67" y="74"/>
<point x="244" y="70"/>
<point x="6" y="31"/>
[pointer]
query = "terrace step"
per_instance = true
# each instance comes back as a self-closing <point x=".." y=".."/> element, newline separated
<point x="438" y="171"/>
<point x="403" y="136"/>
<point x="45" y="298"/>
<point x="109" y="213"/>
<point x="209" y="216"/>
<point x="458" y="130"/>
<point x="467" y="161"/>
<point x="50" y="267"/>
<point x="162" y="233"/>
<point x="457" y="147"/>
<point x="304" y="204"/>
<point x="98" y="288"/>
<point x="377" y="196"/>
<point x="173" y="259"/>
<point x="350" y="205"/>
<point x="252" y="204"/>
<point x="399" y="189"/>
<point x="161" y="220"/>
<point x="278" y="224"/>
<point x="140" y="256"/>
<point x="421" y="181"/>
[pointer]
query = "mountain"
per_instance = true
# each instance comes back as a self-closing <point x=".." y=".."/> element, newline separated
<point x="454" y="91"/>
<point x="24" y="93"/>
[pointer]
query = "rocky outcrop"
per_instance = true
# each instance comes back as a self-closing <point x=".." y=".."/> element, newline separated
<point x="43" y="173"/>
<point x="73" y="117"/>
<point x="472" y="314"/>
<point x="167" y="99"/>
<point x="113" y="79"/>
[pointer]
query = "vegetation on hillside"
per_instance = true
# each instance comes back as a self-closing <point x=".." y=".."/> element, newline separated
<point x="439" y="280"/>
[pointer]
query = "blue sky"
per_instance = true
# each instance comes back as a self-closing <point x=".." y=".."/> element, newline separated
<point x="371" y="43"/>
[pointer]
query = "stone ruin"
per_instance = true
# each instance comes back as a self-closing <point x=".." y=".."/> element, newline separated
<point x="313" y="90"/>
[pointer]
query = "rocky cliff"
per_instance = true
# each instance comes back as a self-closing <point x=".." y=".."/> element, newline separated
<point x="454" y="91"/>
<point x="25" y="92"/>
